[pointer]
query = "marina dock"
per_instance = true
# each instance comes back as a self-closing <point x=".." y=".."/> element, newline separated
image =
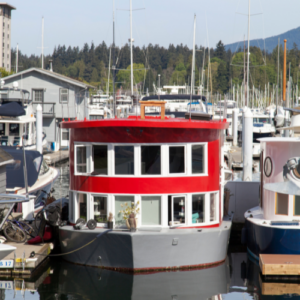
<point x="25" y="266"/>
<point x="235" y="159"/>
<point x="279" y="264"/>
<point x="55" y="157"/>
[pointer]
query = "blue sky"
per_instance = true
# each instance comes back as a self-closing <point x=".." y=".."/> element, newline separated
<point x="161" y="22"/>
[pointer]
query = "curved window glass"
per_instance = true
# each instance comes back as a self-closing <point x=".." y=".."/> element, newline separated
<point x="197" y="159"/>
<point x="150" y="160"/>
<point x="124" y="160"/>
<point x="176" y="159"/>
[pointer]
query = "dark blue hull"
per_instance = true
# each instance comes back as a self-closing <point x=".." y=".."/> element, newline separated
<point x="260" y="135"/>
<point x="268" y="240"/>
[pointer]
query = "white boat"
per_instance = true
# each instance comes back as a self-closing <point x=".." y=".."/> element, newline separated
<point x="40" y="176"/>
<point x="262" y="127"/>
<point x="273" y="226"/>
<point x="6" y="250"/>
<point x="17" y="121"/>
<point x="219" y="112"/>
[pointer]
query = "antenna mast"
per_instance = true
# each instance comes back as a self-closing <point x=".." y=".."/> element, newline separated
<point x="113" y="64"/>
<point x="42" y="42"/>
<point x="17" y="58"/>
<point x="248" y="55"/>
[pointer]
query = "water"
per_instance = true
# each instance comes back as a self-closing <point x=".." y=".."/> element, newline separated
<point x="237" y="278"/>
<point x="61" y="185"/>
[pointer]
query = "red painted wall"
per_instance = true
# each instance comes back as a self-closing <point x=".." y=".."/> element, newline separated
<point x="158" y="185"/>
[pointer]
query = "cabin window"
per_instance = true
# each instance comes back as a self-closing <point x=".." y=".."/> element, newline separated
<point x="282" y="204"/>
<point x="65" y="134"/>
<point x="14" y="129"/>
<point x="213" y="207"/>
<point x="100" y="209"/>
<point x="197" y="159"/>
<point x="81" y="159"/>
<point x="121" y="202"/>
<point x="82" y="206"/>
<point x="198" y="208"/>
<point x="124" y="160"/>
<point x="151" y="210"/>
<point x="151" y="160"/>
<point x="100" y="160"/>
<point x="2" y="128"/>
<point x="176" y="159"/>
<point x="38" y="95"/>
<point x="296" y="205"/>
<point x="177" y="210"/>
<point x="63" y="95"/>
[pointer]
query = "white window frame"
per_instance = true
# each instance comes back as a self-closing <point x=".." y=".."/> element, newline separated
<point x="63" y="94"/>
<point x="205" y="157"/>
<point x="185" y="160"/>
<point x="186" y="206"/>
<point x="136" y="156"/>
<point x="108" y="159"/>
<point x="92" y="207"/>
<point x="88" y="159"/>
<point x="76" y="202"/>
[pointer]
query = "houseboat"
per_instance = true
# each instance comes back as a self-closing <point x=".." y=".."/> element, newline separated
<point x="170" y="170"/>
<point x="273" y="226"/>
<point x="17" y="121"/>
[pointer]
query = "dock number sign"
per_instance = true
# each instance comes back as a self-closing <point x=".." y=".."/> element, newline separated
<point x="6" y="264"/>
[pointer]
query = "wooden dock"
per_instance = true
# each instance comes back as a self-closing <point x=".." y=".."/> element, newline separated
<point x="235" y="160"/>
<point x="278" y="288"/>
<point x="55" y="157"/>
<point x="279" y="265"/>
<point x="25" y="265"/>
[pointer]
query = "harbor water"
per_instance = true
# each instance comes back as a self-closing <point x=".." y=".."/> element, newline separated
<point x="237" y="278"/>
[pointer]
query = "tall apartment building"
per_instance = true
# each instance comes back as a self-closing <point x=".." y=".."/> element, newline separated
<point x="5" y="20"/>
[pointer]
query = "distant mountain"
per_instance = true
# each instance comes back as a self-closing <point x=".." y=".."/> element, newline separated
<point x="292" y="36"/>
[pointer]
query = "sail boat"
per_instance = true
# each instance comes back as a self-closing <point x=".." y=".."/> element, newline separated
<point x="181" y="105"/>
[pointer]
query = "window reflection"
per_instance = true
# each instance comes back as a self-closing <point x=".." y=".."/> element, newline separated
<point x="198" y="208"/>
<point x="81" y="159"/>
<point x="150" y="156"/>
<point x="100" y="209"/>
<point x="197" y="159"/>
<point x="176" y="159"/>
<point x="100" y="159"/>
<point x="124" y="160"/>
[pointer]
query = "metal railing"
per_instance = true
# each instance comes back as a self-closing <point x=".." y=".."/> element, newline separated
<point x="47" y="108"/>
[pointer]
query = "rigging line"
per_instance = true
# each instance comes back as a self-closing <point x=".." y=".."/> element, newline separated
<point x="247" y="14"/>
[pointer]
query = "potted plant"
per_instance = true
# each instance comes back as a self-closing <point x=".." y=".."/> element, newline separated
<point x="129" y="214"/>
<point x="110" y="223"/>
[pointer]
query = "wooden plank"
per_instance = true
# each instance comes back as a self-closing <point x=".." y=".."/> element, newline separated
<point x="275" y="264"/>
<point x="277" y="288"/>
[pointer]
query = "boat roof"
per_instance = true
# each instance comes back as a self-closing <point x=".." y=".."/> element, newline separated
<point x="280" y="139"/>
<point x="149" y="121"/>
<point x="174" y="97"/>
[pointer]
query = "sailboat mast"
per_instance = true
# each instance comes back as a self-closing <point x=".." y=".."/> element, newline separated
<point x="193" y="67"/>
<point x="17" y="58"/>
<point x="248" y="54"/>
<point x="114" y="63"/>
<point x="43" y="43"/>
<point x="277" y="76"/>
<point x="131" y="58"/>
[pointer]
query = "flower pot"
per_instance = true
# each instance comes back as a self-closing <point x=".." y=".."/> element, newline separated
<point x="110" y="224"/>
<point x="128" y="225"/>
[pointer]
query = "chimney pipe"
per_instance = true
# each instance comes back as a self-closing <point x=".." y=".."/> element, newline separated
<point x="50" y="62"/>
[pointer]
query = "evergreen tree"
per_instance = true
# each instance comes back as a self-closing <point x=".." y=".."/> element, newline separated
<point x="220" y="51"/>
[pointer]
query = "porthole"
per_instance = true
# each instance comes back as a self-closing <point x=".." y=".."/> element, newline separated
<point x="268" y="166"/>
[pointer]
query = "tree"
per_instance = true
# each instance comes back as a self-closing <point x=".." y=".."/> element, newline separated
<point x="220" y="51"/>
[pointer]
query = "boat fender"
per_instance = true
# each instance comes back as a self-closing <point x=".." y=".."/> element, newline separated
<point x="79" y="224"/>
<point x="244" y="236"/>
<point x="91" y="224"/>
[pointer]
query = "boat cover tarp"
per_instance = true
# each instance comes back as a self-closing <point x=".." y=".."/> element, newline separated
<point x="15" y="173"/>
<point x="175" y="97"/>
<point x="12" y="109"/>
